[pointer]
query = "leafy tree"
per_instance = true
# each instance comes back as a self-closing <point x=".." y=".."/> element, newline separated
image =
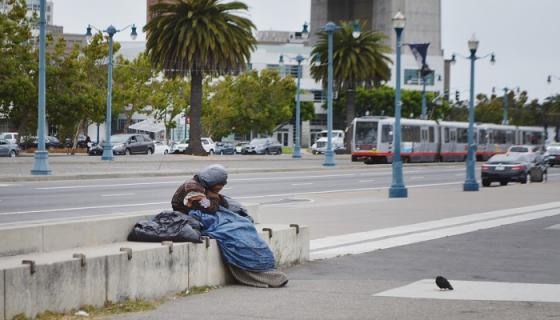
<point x="132" y="86"/>
<point x="360" y="61"/>
<point x="169" y="98"/>
<point x="251" y="102"/>
<point x="18" y="68"/>
<point x="198" y="38"/>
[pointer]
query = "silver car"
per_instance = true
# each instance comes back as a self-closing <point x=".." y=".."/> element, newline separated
<point x="8" y="149"/>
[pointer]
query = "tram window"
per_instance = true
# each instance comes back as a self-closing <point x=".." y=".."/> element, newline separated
<point x="483" y="137"/>
<point x="509" y="137"/>
<point x="386" y="134"/>
<point x="366" y="133"/>
<point x="462" y="135"/>
<point x="499" y="137"/>
<point x="432" y="134"/>
<point x="446" y="135"/>
<point x="453" y="136"/>
<point x="410" y="133"/>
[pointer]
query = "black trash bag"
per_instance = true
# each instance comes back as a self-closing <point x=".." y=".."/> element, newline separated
<point x="237" y="207"/>
<point x="167" y="226"/>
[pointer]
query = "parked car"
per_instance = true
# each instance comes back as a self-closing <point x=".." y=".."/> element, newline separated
<point x="32" y="142"/>
<point x="132" y="143"/>
<point x="504" y="168"/>
<point x="209" y="145"/>
<point x="240" y="146"/>
<point x="180" y="147"/>
<point x="161" y="148"/>
<point x="552" y="154"/>
<point x="225" y="148"/>
<point x="8" y="148"/>
<point x="11" y="137"/>
<point x="263" y="146"/>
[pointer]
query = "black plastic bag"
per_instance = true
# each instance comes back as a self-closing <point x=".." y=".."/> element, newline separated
<point x="167" y="226"/>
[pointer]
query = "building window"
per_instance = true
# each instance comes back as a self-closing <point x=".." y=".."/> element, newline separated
<point x="317" y="95"/>
<point x="275" y="67"/>
<point x="412" y="77"/>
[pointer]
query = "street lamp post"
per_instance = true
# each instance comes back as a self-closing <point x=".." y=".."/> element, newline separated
<point x="424" y="115"/>
<point x="398" y="189"/>
<point x="297" y="147"/>
<point x="330" y="28"/>
<point x="470" y="180"/>
<point x="505" y="120"/>
<point x="110" y="31"/>
<point x="41" y="162"/>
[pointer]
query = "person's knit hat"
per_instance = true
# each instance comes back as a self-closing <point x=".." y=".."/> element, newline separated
<point x="213" y="175"/>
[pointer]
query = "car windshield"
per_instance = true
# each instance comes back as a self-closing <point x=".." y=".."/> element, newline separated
<point x="507" y="159"/>
<point x="519" y="149"/>
<point x="256" y="142"/>
<point x="119" y="139"/>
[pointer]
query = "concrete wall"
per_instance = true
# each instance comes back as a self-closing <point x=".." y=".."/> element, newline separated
<point x="60" y="282"/>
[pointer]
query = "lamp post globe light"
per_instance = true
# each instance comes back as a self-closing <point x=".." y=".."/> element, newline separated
<point x="398" y="190"/>
<point x="470" y="180"/>
<point x="110" y="31"/>
<point x="41" y="159"/>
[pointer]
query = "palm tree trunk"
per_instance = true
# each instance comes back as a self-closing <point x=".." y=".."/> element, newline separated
<point x="195" y="144"/>
<point x="350" y="114"/>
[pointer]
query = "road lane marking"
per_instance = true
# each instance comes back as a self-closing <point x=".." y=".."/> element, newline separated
<point x="86" y="208"/>
<point x="302" y="184"/>
<point x="417" y="178"/>
<point x="118" y="195"/>
<point x="364" y="181"/>
<point x="354" y="238"/>
<point x="240" y="197"/>
<point x="478" y="290"/>
<point x="398" y="241"/>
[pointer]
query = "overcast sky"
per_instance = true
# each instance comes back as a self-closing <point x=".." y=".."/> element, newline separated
<point x="523" y="34"/>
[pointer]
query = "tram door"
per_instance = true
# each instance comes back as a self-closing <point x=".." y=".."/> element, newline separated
<point x="424" y="144"/>
<point x="453" y="143"/>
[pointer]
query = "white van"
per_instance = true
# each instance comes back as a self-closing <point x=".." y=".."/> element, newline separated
<point x="320" y="146"/>
<point x="209" y="145"/>
<point x="11" y="137"/>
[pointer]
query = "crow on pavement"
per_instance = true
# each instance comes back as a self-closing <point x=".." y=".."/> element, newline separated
<point x="443" y="284"/>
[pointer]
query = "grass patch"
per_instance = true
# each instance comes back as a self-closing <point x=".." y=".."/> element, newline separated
<point x="110" y="308"/>
<point x="196" y="290"/>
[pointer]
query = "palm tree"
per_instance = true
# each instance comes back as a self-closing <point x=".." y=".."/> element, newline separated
<point x="360" y="61"/>
<point x="198" y="38"/>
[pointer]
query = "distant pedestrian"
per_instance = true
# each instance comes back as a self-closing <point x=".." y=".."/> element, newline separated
<point x="88" y="144"/>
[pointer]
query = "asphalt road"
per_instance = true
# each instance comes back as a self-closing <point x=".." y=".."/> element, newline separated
<point x="56" y="199"/>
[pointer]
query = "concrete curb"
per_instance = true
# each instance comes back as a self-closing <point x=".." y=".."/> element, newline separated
<point x="8" y="179"/>
<point x="64" y="273"/>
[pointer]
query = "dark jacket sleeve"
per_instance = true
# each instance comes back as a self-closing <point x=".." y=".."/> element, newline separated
<point x="216" y="200"/>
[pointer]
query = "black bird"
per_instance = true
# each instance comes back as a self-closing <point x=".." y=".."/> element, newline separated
<point x="443" y="284"/>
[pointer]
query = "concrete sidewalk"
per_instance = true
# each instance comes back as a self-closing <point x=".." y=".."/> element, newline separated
<point x="313" y="293"/>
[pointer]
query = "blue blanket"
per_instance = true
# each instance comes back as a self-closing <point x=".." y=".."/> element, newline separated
<point x="238" y="239"/>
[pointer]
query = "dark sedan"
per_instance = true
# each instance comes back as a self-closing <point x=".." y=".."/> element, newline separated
<point x="513" y="168"/>
<point x="224" y="148"/>
<point x="263" y="146"/>
<point x="127" y="144"/>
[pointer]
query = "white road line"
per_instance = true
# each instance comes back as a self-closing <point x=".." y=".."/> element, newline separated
<point x="478" y="290"/>
<point x="85" y="208"/>
<point x="364" y="181"/>
<point x="353" y="238"/>
<point x="417" y="178"/>
<point x="6" y="185"/>
<point x="302" y="184"/>
<point x="246" y="197"/>
<point x="459" y="174"/>
<point x="429" y="235"/>
<point x="109" y="185"/>
<point x="118" y="195"/>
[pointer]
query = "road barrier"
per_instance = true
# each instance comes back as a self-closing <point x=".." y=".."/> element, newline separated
<point x="60" y="266"/>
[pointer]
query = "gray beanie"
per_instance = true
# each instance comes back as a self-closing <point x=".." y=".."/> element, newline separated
<point x="213" y="175"/>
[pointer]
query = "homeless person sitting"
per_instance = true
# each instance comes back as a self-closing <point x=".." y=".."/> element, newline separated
<point x="248" y="257"/>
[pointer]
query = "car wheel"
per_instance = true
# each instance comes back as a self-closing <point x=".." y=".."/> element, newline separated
<point x="150" y="151"/>
<point x="279" y="151"/>
<point x="211" y="152"/>
<point x="486" y="183"/>
<point x="127" y="152"/>
<point x="221" y="153"/>
<point x="267" y="151"/>
<point x="165" y="151"/>
<point x="505" y="183"/>
<point x="13" y="154"/>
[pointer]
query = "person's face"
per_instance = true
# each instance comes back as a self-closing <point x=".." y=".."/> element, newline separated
<point x="217" y="188"/>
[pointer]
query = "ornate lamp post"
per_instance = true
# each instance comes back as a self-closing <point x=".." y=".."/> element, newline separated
<point x="470" y="181"/>
<point x="110" y="31"/>
<point x="41" y="162"/>
<point x="398" y="190"/>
